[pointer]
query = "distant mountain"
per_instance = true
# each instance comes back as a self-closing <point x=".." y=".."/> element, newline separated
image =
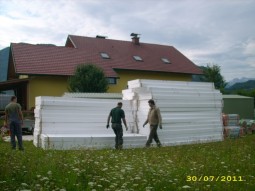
<point x="237" y="80"/>
<point x="247" y="85"/>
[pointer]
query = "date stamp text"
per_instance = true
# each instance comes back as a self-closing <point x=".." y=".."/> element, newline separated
<point x="215" y="178"/>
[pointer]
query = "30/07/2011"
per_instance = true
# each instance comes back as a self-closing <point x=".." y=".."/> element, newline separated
<point x="215" y="178"/>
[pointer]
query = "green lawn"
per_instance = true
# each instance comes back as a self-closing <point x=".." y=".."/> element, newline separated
<point x="227" y="165"/>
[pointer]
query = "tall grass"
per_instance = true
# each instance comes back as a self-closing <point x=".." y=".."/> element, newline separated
<point x="153" y="169"/>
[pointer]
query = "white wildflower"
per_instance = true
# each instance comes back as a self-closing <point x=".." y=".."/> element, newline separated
<point x="129" y="168"/>
<point x="76" y="170"/>
<point x="91" y="183"/>
<point x="112" y="186"/>
<point x="148" y="188"/>
<point x="186" y="186"/>
<point x="24" y="184"/>
<point x="44" y="178"/>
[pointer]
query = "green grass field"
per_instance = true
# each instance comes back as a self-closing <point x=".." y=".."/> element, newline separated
<point x="227" y="165"/>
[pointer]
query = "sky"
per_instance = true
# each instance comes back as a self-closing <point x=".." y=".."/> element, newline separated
<point x="215" y="32"/>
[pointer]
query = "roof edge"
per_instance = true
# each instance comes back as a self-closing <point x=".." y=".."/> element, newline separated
<point x="157" y="71"/>
<point x="69" y="38"/>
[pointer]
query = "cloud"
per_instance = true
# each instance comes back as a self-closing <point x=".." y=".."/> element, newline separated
<point x="220" y="32"/>
<point x="249" y="48"/>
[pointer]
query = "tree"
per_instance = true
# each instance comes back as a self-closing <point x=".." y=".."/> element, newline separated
<point x="88" y="78"/>
<point x="212" y="74"/>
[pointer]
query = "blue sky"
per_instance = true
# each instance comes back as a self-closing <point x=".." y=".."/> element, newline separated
<point x="218" y="32"/>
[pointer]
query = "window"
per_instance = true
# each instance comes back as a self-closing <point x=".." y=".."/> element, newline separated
<point x="165" y="60"/>
<point x="138" y="58"/>
<point x="104" y="55"/>
<point x="112" y="80"/>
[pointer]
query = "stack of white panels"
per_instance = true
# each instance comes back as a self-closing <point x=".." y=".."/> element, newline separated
<point x="65" y="123"/>
<point x="84" y="141"/>
<point x="94" y="95"/>
<point x="191" y="111"/>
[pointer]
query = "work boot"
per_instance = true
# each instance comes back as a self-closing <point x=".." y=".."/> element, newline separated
<point x="118" y="147"/>
<point x="159" y="144"/>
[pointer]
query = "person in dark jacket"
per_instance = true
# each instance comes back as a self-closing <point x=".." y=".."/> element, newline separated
<point x="117" y="115"/>
<point x="14" y="118"/>
<point x="154" y="119"/>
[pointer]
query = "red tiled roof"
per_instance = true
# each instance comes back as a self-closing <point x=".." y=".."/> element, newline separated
<point x="54" y="60"/>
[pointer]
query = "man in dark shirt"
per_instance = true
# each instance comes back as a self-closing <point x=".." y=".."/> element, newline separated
<point x="14" y="118"/>
<point x="116" y="115"/>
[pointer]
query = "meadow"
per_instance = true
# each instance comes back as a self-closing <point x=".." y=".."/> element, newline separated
<point x="227" y="165"/>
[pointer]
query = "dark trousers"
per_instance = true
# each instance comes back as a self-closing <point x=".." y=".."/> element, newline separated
<point x="117" y="128"/>
<point x="15" y="129"/>
<point x="153" y="135"/>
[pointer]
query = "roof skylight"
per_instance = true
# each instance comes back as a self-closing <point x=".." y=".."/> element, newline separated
<point x="165" y="60"/>
<point x="104" y="55"/>
<point x="138" y="58"/>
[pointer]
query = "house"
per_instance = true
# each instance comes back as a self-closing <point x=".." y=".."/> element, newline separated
<point x="43" y="70"/>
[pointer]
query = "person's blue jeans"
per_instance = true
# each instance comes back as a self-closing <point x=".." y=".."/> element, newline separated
<point x="16" y="130"/>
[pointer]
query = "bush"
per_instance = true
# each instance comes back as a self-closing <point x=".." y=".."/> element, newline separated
<point x="88" y="78"/>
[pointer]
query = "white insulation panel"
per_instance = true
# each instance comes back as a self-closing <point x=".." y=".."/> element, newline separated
<point x="89" y="141"/>
<point x="191" y="113"/>
<point x="66" y="116"/>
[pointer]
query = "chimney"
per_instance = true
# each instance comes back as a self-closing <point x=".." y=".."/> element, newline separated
<point x="135" y="38"/>
<point x="100" y="36"/>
